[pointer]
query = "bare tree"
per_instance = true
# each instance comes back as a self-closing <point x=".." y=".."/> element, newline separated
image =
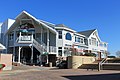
<point x="108" y="53"/>
<point x="118" y="53"/>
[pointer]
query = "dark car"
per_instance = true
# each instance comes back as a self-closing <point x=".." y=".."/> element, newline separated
<point x="62" y="65"/>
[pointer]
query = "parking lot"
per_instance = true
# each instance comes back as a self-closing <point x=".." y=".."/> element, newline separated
<point x="46" y="73"/>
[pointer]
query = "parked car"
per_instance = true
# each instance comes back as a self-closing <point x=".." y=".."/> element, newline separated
<point x="62" y="65"/>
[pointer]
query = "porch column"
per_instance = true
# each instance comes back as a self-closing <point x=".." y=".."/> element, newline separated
<point x="47" y="43"/>
<point x="47" y="40"/>
<point x="41" y="34"/>
<point x="31" y="54"/>
<point x="19" y="54"/>
<point x="14" y="47"/>
<point x="14" y="54"/>
<point x="32" y="36"/>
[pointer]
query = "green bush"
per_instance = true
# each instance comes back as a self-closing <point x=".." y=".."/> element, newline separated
<point x="90" y="54"/>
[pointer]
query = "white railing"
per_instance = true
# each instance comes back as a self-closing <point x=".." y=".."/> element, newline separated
<point x="25" y="38"/>
<point x="100" y="64"/>
<point x="39" y="46"/>
<point x="52" y="49"/>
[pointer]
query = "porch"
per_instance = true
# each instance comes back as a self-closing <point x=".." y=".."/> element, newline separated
<point x="29" y="32"/>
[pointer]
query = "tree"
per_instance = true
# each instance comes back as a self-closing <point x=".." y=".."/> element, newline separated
<point x="118" y="53"/>
<point x="108" y="53"/>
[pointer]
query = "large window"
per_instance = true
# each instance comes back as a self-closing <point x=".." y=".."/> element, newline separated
<point x="68" y="36"/>
<point x="93" y="41"/>
<point x="79" y="40"/>
<point x="60" y="34"/>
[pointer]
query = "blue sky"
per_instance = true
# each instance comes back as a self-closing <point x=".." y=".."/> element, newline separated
<point x="79" y="15"/>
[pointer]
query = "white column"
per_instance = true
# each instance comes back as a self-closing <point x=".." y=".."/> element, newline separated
<point x="32" y="36"/>
<point x="14" y="47"/>
<point x="19" y="54"/>
<point x="47" y="40"/>
<point x="41" y="34"/>
<point x="47" y="43"/>
<point x="14" y="54"/>
<point x="56" y="44"/>
<point x="63" y="52"/>
<point x="19" y="36"/>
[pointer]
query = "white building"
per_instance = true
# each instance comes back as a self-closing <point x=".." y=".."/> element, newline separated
<point x="31" y="40"/>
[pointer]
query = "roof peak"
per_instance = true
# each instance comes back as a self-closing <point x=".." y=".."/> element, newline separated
<point x="87" y="32"/>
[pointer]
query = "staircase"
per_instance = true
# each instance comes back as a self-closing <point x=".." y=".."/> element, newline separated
<point x="29" y="40"/>
<point x="95" y="65"/>
<point x="40" y="47"/>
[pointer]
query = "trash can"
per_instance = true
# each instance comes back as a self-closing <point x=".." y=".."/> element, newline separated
<point x="50" y="64"/>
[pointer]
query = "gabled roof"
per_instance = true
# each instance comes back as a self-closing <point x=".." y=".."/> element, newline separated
<point x="48" y="23"/>
<point x="87" y="33"/>
<point x="24" y="13"/>
<point x="61" y="25"/>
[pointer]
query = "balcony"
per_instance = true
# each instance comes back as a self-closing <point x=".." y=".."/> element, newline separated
<point x="52" y="49"/>
<point x="25" y="39"/>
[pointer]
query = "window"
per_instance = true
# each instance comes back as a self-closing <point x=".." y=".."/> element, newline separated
<point x="59" y="47"/>
<point x="82" y="41"/>
<point x="105" y="45"/>
<point x="11" y="36"/>
<point x="93" y="41"/>
<point x="59" y="51"/>
<point x="97" y="43"/>
<point x="90" y="41"/>
<point x="60" y="34"/>
<point x="77" y="39"/>
<point x="68" y="36"/>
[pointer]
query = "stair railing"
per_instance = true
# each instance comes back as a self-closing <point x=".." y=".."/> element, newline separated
<point x="41" y="48"/>
<point x="100" y="64"/>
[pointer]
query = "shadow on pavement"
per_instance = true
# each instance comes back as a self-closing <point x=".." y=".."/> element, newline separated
<point x="114" y="76"/>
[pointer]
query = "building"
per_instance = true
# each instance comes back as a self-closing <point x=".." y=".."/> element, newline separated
<point x="32" y="40"/>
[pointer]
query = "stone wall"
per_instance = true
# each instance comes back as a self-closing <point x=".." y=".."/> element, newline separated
<point x="76" y="61"/>
<point x="7" y="60"/>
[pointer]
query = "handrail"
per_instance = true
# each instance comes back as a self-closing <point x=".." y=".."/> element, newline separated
<point x="41" y="42"/>
<point x="100" y="64"/>
<point x="38" y="45"/>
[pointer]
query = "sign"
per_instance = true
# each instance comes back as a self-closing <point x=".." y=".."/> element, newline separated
<point x="26" y="27"/>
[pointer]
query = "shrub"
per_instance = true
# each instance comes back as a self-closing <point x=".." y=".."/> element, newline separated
<point x="90" y="54"/>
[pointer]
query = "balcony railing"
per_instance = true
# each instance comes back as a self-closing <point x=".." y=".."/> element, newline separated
<point x="25" y="39"/>
<point x="36" y="43"/>
<point x="52" y="49"/>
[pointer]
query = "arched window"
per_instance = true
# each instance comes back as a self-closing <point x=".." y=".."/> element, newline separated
<point x="68" y="36"/>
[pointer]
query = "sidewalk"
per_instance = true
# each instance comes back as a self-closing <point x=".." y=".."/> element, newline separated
<point x="24" y="68"/>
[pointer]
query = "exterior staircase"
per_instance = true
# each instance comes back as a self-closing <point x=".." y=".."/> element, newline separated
<point x="95" y="65"/>
<point x="40" y="47"/>
<point x="104" y="64"/>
